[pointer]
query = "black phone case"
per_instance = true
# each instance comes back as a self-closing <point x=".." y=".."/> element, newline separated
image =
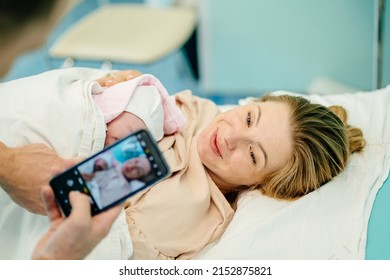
<point x="71" y="179"/>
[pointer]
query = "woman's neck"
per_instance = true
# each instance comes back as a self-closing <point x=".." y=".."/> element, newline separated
<point x="221" y="184"/>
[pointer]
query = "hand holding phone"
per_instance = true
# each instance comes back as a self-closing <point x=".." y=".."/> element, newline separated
<point x="114" y="174"/>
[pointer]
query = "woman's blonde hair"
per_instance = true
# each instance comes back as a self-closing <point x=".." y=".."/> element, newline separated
<point x="322" y="143"/>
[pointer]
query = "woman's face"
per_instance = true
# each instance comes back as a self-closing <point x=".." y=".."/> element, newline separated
<point x="136" y="167"/>
<point x="243" y="145"/>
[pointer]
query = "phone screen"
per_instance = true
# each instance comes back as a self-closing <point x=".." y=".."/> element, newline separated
<point x="114" y="174"/>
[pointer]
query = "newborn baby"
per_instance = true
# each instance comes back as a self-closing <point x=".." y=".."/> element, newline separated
<point x="136" y="104"/>
<point x="144" y="111"/>
<point x="69" y="111"/>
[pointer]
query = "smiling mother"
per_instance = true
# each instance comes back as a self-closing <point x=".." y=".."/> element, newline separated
<point x="282" y="145"/>
<point x="241" y="146"/>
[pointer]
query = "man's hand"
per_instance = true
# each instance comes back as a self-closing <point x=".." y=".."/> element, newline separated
<point x="24" y="170"/>
<point x="76" y="236"/>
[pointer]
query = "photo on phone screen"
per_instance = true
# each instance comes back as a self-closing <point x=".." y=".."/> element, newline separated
<point x="114" y="174"/>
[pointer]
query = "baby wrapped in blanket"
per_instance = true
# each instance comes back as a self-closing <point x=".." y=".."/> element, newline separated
<point x="139" y="103"/>
<point x="70" y="112"/>
<point x="147" y="103"/>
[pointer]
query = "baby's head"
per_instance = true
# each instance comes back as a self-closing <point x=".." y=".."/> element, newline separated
<point x="100" y="164"/>
<point x="144" y="111"/>
<point x="122" y="126"/>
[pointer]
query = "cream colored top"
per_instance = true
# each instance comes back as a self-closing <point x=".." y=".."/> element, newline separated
<point x="181" y="214"/>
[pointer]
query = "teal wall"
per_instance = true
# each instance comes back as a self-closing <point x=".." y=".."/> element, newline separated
<point x="249" y="46"/>
<point x="386" y="44"/>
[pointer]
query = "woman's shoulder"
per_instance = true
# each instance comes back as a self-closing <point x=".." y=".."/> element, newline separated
<point x="187" y="99"/>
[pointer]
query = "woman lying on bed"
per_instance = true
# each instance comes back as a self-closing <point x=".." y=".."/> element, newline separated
<point x="282" y="145"/>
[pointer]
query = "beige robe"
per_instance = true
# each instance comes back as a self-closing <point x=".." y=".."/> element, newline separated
<point x="181" y="214"/>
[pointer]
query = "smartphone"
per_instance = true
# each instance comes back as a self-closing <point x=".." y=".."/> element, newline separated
<point x="114" y="174"/>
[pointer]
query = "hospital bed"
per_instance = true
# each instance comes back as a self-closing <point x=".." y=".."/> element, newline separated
<point x="344" y="219"/>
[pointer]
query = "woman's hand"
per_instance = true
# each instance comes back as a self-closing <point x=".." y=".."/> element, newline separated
<point x="24" y="170"/>
<point x="73" y="237"/>
<point x="118" y="77"/>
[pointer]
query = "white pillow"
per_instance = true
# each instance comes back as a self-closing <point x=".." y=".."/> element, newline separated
<point x="329" y="223"/>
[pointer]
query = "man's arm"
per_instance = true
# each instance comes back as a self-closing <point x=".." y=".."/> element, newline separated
<point x="24" y="170"/>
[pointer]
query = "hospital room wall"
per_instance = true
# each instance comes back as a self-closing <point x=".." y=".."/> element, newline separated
<point x="172" y="70"/>
<point x="252" y="46"/>
<point x="386" y="44"/>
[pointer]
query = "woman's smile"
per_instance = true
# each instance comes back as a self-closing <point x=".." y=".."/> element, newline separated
<point x="214" y="144"/>
<point x="241" y="146"/>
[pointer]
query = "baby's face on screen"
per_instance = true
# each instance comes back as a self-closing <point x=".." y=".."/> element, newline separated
<point x="122" y="126"/>
<point x="136" y="167"/>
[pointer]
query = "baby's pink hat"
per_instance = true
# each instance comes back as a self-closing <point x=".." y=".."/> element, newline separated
<point x="146" y="104"/>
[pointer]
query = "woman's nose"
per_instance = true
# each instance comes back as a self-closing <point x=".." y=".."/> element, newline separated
<point x="233" y="139"/>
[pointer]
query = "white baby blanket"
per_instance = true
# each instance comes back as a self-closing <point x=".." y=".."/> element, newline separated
<point x="55" y="108"/>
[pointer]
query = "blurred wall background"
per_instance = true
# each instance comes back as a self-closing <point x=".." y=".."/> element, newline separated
<point x="250" y="46"/>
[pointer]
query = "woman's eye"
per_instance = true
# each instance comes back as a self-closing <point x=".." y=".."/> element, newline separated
<point x="249" y="119"/>
<point x="253" y="157"/>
